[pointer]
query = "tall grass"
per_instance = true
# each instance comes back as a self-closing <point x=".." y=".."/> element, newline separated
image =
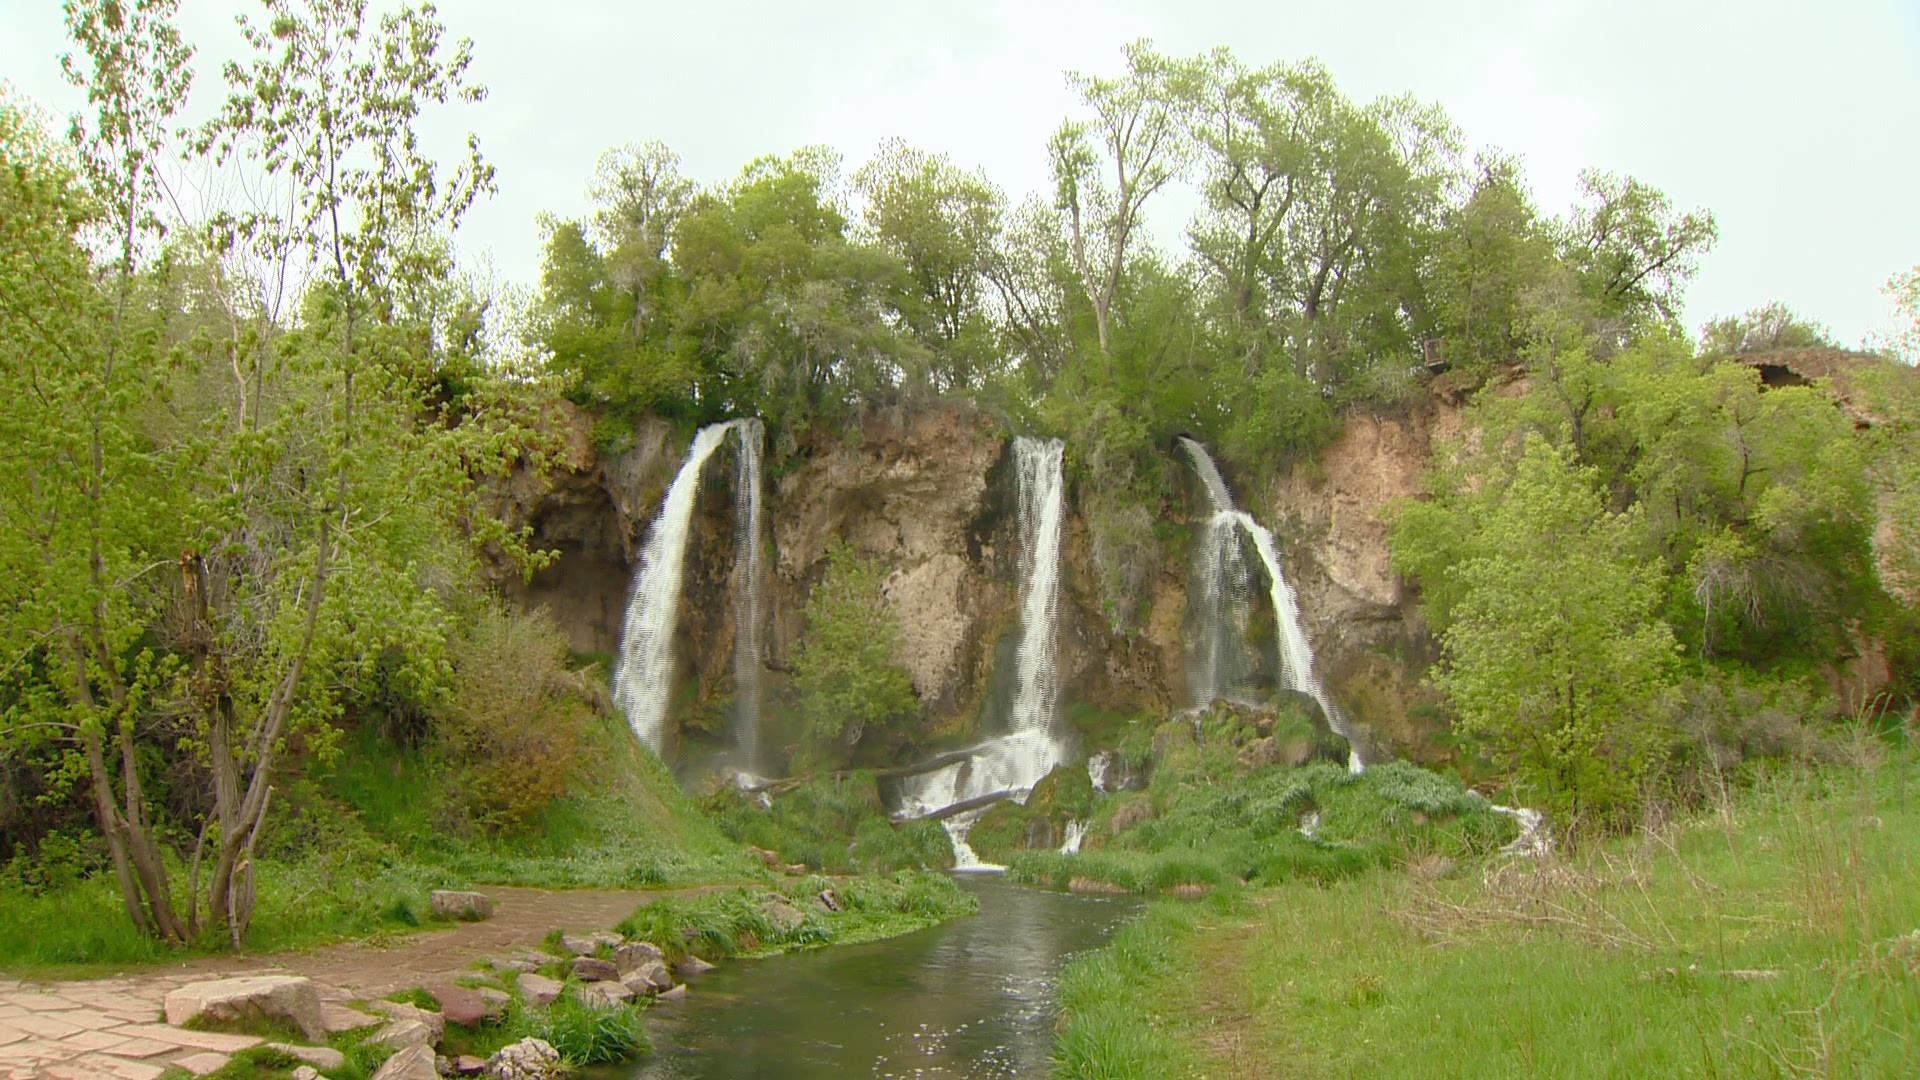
<point x="1774" y="937"/>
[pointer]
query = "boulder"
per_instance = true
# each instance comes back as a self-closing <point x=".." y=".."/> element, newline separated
<point x="770" y="858"/>
<point x="1097" y="888"/>
<point x="498" y="1001"/>
<point x="406" y="1035"/>
<point x="678" y="993"/>
<point x="784" y="916"/>
<point x="648" y="980"/>
<point x="528" y="1059"/>
<point x="305" y="1072"/>
<point x="467" y="1065"/>
<point x="594" y="969"/>
<point x="400" y="1010"/>
<point x="322" y="1057"/>
<point x="468" y="1007"/>
<point x="411" y="1063"/>
<point x="1260" y="753"/>
<point x="606" y="939"/>
<point x="251" y="999"/>
<point x="634" y="955"/>
<point x="464" y="906"/>
<point x="538" y="990"/>
<point x="578" y="946"/>
<point x="691" y="967"/>
<point x="513" y="965"/>
<point x="603" y="995"/>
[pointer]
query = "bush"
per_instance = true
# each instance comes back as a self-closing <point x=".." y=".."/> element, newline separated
<point x="511" y="733"/>
<point x="834" y="824"/>
<point x="845" y="678"/>
<point x="588" y="1034"/>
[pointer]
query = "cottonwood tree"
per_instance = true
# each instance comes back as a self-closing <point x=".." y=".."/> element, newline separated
<point x="88" y="506"/>
<point x="325" y="503"/>
<point x="1633" y="249"/>
<point x="1106" y="168"/>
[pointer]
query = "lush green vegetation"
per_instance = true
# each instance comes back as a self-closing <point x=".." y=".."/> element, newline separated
<point x="831" y="823"/>
<point x="758" y="922"/>
<point x="1769" y="936"/>
<point x="1210" y="819"/>
<point x="846" y="685"/>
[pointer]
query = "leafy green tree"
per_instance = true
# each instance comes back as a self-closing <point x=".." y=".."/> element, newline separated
<point x="1773" y="326"/>
<point x="846" y="682"/>
<point x="1555" y="657"/>
<point x="942" y="223"/>
<point x="1105" y="169"/>
<point x="1633" y="250"/>
<point x="1492" y="251"/>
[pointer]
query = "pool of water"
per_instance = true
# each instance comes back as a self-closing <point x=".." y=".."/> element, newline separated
<point x="970" y="998"/>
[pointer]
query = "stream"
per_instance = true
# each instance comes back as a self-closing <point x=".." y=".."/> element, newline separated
<point x="969" y="998"/>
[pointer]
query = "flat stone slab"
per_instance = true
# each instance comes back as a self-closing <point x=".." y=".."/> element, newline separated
<point x="202" y="1063"/>
<point x="290" y="999"/>
<point x="320" y="1057"/>
<point x="538" y="990"/>
<point x="412" y="1063"/>
<point x="464" y="906"/>
<point x="338" y="1018"/>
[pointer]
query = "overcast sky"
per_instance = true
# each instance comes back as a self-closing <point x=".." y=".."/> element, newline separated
<point x="1796" y="122"/>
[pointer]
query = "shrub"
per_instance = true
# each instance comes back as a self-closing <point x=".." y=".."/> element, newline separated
<point x="511" y="732"/>
<point x="588" y="1034"/>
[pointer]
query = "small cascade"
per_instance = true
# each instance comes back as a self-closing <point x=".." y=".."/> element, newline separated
<point x="1223" y="576"/>
<point x="643" y="671"/>
<point x="965" y="859"/>
<point x="1031" y="747"/>
<point x="1076" y="832"/>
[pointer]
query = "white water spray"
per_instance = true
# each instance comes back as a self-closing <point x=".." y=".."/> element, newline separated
<point x="1076" y="832"/>
<point x="1223" y="573"/>
<point x="1031" y="747"/>
<point x="643" y="673"/>
<point x="749" y="583"/>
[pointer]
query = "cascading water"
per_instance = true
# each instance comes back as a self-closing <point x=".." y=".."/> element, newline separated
<point x="643" y="675"/>
<point x="749" y="576"/>
<point x="1030" y="749"/>
<point x="1223" y="574"/>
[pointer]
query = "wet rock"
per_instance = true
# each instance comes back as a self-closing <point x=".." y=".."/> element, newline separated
<point x="594" y="969"/>
<point x="528" y="1059"/>
<point x="464" y="906"/>
<point x="634" y="955"/>
<point x="677" y="993"/>
<point x="411" y="1063"/>
<point x="253" y="999"/>
<point x="648" y="980"/>
<point x="323" y="1057"/>
<point x="691" y="967"/>
<point x="538" y="990"/>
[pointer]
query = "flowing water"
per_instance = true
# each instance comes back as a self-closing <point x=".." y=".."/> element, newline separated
<point x="1032" y="745"/>
<point x="970" y="998"/>
<point x="1224" y="583"/>
<point x="643" y="673"/>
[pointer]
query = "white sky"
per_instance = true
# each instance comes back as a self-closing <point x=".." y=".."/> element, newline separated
<point x="1796" y="122"/>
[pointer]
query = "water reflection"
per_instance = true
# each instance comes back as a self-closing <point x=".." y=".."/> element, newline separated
<point x="973" y="998"/>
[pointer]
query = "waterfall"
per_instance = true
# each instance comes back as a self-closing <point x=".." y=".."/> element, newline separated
<point x="1076" y="832"/>
<point x="1223" y="578"/>
<point x="1031" y="747"/>
<point x="643" y="671"/>
<point x="749" y="583"/>
<point x="965" y="859"/>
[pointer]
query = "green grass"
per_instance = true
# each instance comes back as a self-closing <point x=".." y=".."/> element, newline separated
<point x="1214" y="826"/>
<point x="737" y="922"/>
<point x="1774" y="938"/>
<point x="352" y="853"/>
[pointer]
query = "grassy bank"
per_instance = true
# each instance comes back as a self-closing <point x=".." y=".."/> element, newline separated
<point x="353" y="849"/>
<point x="1776" y="936"/>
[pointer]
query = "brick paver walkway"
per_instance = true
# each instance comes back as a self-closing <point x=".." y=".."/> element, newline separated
<point x="101" y="1028"/>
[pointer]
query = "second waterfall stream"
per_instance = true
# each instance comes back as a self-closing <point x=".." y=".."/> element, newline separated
<point x="1011" y="764"/>
<point x="1222" y="591"/>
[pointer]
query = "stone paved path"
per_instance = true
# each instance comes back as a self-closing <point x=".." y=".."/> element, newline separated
<point x="104" y="1028"/>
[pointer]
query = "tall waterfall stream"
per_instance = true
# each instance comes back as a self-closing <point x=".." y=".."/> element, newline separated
<point x="643" y="672"/>
<point x="1032" y="746"/>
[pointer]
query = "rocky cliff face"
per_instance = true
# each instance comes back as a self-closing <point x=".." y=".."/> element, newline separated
<point x="930" y="496"/>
